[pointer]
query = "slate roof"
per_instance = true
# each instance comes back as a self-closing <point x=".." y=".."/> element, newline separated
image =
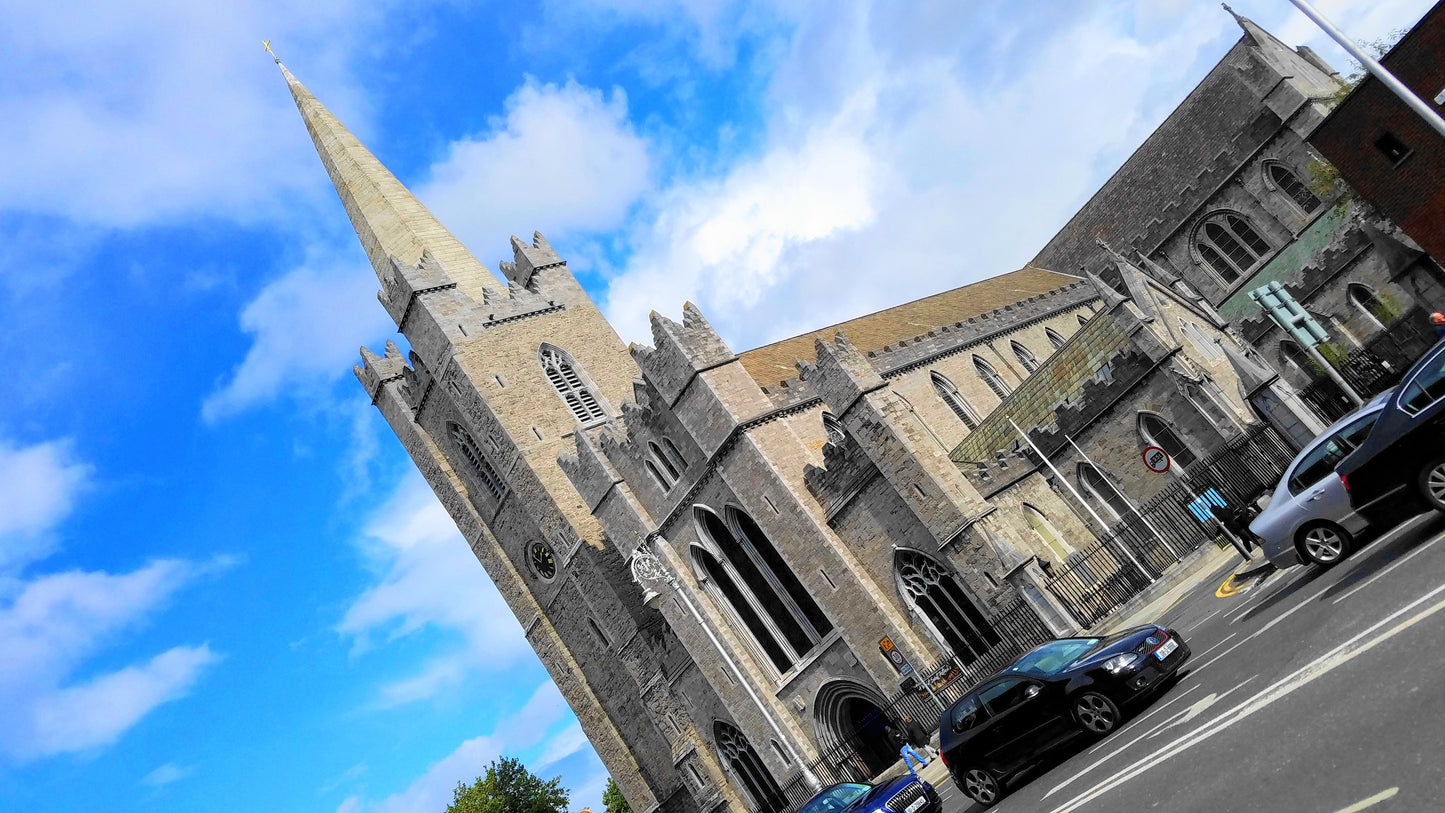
<point x="772" y="363"/>
<point x="1170" y="175"/>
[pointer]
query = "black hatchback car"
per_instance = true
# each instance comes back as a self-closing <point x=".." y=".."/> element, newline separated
<point x="1402" y="462"/>
<point x="1061" y="690"/>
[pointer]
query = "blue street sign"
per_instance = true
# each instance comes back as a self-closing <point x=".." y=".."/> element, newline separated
<point x="1202" y="507"/>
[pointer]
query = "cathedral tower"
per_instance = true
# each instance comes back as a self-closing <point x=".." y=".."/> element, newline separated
<point x="499" y="378"/>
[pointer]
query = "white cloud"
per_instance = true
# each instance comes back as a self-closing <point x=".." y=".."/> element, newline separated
<point x="306" y="328"/>
<point x="55" y="624"/>
<point x="563" y="159"/>
<point x="128" y="113"/>
<point x="166" y="774"/>
<point x="40" y="484"/>
<point x="521" y="730"/>
<point x="429" y="578"/>
<point x="903" y="160"/>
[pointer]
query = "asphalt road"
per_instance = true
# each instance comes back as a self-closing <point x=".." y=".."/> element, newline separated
<point x="1311" y="690"/>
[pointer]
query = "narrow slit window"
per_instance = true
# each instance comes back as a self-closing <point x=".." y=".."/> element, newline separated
<point x="565" y="377"/>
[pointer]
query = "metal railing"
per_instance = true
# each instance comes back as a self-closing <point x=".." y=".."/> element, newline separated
<point x="1143" y="545"/>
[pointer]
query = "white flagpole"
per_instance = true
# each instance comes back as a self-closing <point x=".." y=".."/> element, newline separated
<point x="1132" y="506"/>
<point x="1374" y="67"/>
<point x="1081" y="500"/>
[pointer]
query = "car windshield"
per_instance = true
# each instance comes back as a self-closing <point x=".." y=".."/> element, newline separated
<point x="1054" y="656"/>
<point x="834" y="799"/>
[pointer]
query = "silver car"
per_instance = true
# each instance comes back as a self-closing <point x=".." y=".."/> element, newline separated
<point x="1309" y="517"/>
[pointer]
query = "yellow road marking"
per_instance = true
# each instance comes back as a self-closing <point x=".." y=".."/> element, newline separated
<point x="1229" y="588"/>
<point x="1370" y="802"/>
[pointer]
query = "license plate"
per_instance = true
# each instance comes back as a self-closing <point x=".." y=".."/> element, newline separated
<point x="916" y="805"/>
<point x="1166" y="649"/>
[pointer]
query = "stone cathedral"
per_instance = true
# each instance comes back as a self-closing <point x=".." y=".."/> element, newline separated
<point x="705" y="547"/>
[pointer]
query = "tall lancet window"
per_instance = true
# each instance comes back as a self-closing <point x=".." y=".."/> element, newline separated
<point x="747" y="573"/>
<point x="1367" y="303"/>
<point x="481" y="470"/>
<point x="990" y="377"/>
<point x="834" y="429"/>
<point x="1229" y="245"/>
<point x="569" y="382"/>
<point x="1054" y="338"/>
<point x="1106" y="495"/>
<point x="743" y="763"/>
<point x="1025" y="356"/>
<point x="1157" y="432"/>
<point x="935" y="595"/>
<point x="955" y="400"/>
<point x="1293" y="188"/>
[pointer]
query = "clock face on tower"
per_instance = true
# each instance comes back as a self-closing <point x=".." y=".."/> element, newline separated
<point x="543" y="563"/>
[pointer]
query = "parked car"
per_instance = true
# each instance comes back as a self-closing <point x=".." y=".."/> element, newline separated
<point x="1401" y="465"/>
<point x="1309" y="516"/>
<point x="1061" y="690"/>
<point x="906" y="794"/>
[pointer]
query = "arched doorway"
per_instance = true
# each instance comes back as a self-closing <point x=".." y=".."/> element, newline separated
<point x="851" y="723"/>
<point x="745" y="766"/>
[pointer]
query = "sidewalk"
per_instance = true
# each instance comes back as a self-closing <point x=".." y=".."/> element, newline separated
<point x="1205" y="568"/>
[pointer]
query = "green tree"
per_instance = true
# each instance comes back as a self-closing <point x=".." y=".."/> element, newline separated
<point x="612" y="799"/>
<point x="509" y="787"/>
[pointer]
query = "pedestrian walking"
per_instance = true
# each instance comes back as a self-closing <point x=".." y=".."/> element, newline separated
<point x="919" y="738"/>
<point x="1438" y="320"/>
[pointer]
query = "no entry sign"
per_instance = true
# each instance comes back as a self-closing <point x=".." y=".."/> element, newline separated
<point x="1156" y="459"/>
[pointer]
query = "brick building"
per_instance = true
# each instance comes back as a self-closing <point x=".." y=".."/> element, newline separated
<point x="705" y="547"/>
<point x="1384" y="150"/>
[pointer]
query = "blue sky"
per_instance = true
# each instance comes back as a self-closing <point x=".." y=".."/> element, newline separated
<point x="222" y="586"/>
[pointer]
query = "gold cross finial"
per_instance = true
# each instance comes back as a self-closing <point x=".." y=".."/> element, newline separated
<point x="266" y="44"/>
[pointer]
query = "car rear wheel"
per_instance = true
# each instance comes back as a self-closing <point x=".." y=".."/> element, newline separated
<point x="1325" y="544"/>
<point x="981" y="786"/>
<point x="1432" y="484"/>
<point x="1096" y="713"/>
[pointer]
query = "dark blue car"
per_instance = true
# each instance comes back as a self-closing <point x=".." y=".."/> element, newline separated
<point x="906" y="794"/>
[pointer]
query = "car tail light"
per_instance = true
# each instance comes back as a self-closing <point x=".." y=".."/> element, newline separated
<point x="1345" y="482"/>
<point x="943" y="757"/>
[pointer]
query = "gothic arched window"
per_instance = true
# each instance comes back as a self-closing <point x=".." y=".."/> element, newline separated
<point x="1209" y="407"/>
<point x="743" y="762"/>
<point x="661" y="466"/>
<point x="1292" y="187"/>
<point x="990" y="377"/>
<point x="570" y="384"/>
<point x="1157" y="432"/>
<point x="1054" y="338"/>
<point x="834" y="429"/>
<point x="954" y="399"/>
<point x="1025" y="356"/>
<point x="1365" y="301"/>
<point x="1296" y="356"/>
<point x="481" y="470"/>
<point x="948" y="612"/>
<point x="767" y="598"/>
<point x="1047" y="533"/>
<point x="1103" y="490"/>
<point x="1230" y="245"/>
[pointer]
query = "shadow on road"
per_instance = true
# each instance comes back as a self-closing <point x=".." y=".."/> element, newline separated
<point x="1283" y="593"/>
<point x="1408" y="536"/>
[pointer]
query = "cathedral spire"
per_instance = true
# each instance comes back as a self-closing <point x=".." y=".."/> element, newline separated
<point x="394" y="227"/>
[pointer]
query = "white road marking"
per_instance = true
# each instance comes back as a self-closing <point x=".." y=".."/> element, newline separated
<point x="1282" y="616"/>
<point x="1184" y="716"/>
<point x="1201" y="621"/>
<point x="1139" y="720"/>
<point x="1255" y="601"/>
<point x="1370" y="802"/>
<point x="1321" y="666"/>
<point x="1221" y="643"/>
<point x="1407" y="557"/>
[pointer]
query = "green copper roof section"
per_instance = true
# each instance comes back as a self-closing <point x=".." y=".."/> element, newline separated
<point x="1061" y="377"/>
<point x="1285" y="265"/>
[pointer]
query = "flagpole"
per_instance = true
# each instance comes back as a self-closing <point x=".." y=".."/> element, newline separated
<point x="1127" y="501"/>
<point x="1374" y="67"/>
<point x="1082" y="501"/>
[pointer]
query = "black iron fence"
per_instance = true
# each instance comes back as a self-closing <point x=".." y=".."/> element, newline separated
<point x="938" y="686"/>
<point x="1373" y="368"/>
<point x="1140" y="547"/>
